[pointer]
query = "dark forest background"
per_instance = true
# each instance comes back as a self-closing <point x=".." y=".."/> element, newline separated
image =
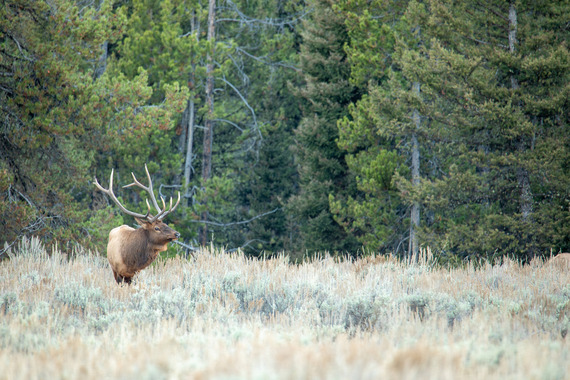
<point x="341" y="126"/>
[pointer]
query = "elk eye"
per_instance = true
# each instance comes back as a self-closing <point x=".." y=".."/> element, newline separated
<point x="156" y="229"/>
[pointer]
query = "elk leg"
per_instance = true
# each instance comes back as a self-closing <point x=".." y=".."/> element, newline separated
<point x="117" y="277"/>
<point x="120" y="279"/>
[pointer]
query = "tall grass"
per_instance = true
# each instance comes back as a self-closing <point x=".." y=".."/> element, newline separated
<point x="224" y="316"/>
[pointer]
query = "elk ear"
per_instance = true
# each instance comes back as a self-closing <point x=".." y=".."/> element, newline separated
<point x="142" y="222"/>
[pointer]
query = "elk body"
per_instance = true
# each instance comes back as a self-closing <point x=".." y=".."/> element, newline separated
<point x="131" y="250"/>
<point x="562" y="259"/>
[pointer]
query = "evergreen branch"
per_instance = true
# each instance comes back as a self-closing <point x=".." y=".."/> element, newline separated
<point x="7" y="90"/>
<point x="23" y="196"/>
<point x="239" y="68"/>
<point x="244" y="101"/>
<point x="266" y="61"/>
<point x="235" y="223"/>
<point x="477" y="40"/>
<point x="243" y="18"/>
<point x="244" y="245"/>
<point x="189" y="248"/>
<point x="20" y="48"/>
<point x="7" y="247"/>
<point x="490" y="9"/>
<point x="230" y="123"/>
<point x="88" y="5"/>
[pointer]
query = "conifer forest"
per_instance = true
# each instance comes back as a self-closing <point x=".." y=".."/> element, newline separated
<point x="355" y="189"/>
<point x="296" y="127"/>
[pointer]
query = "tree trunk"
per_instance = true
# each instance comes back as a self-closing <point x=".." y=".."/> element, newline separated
<point x="523" y="181"/>
<point x="189" y="122"/>
<point x="525" y="206"/>
<point x="209" y="124"/>
<point x="102" y="63"/>
<point x="182" y="145"/>
<point x="513" y="39"/>
<point x="189" y="152"/>
<point x="415" y="212"/>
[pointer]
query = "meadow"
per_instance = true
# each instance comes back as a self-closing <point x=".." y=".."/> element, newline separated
<point x="224" y="316"/>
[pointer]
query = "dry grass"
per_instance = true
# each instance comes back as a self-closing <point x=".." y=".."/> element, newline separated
<point x="223" y="316"/>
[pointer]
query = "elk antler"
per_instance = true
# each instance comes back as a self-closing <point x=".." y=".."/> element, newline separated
<point x="161" y="212"/>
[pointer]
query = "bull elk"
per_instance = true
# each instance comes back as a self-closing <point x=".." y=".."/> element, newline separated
<point x="562" y="260"/>
<point x="131" y="250"/>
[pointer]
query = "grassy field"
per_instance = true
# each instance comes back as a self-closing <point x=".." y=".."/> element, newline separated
<point x="222" y="316"/>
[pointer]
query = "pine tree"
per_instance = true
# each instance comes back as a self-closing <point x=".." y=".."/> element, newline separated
<point x="498" y="76"/>
<point x="385" y="134"/>
<point x="326" y="93"/>
<point x="493" y="89"/>
<point x="60" y="115"/>
<point x="229" y="79"/>
<point x="265" y="175"/>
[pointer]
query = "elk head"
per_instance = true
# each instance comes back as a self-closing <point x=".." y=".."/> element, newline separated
<point x="130" y="250"/>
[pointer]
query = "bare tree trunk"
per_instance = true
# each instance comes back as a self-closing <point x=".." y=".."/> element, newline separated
<point x="102" y="63"/>
<point x="101" y="66"/>
<point x="523" y="180"/>
<point x="189" y="151"/>
<point x="182" y="145"/>
<point x="415" y="212"/>
<point x="189" y="125"/>
<point x="513" y="39"/>
<point x="183" y="131"/>
<point x="209" y="124"/>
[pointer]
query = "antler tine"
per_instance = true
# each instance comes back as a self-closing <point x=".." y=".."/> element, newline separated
<point x="177" y="202"/>
<point x="153" y="198"/>
<point x="170" y="208"/>
<point x="111" y="194"/>
<point x="148" y="189"/>
<point x="164" y="211"/>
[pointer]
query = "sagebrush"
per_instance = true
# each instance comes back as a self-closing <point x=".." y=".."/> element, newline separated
<point x="225" y="316"/>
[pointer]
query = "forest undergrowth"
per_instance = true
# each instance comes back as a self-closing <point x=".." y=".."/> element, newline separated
<point x="225" y="316"/>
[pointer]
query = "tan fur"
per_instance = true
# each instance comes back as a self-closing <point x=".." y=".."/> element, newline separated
<point x="131" y="250"/>
<point x="562" y="259"/>
<point x="116" y="237"/>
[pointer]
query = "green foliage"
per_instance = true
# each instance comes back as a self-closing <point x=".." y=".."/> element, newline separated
<point x="489" y="117"/>
<point x="253" y="138"/>
<point x="372" y="41"/>
<point x="506" y="114"/>
<point x="373" y="217"/>
<point x="60" y="119"/>
<point x="253" y="113"/>
<point x="98" y="226"/>
<point x="314" y="123"/>
<point x="378" y="131"/>
<point x="47" y="62"/>
<point x="322" y="167"/>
